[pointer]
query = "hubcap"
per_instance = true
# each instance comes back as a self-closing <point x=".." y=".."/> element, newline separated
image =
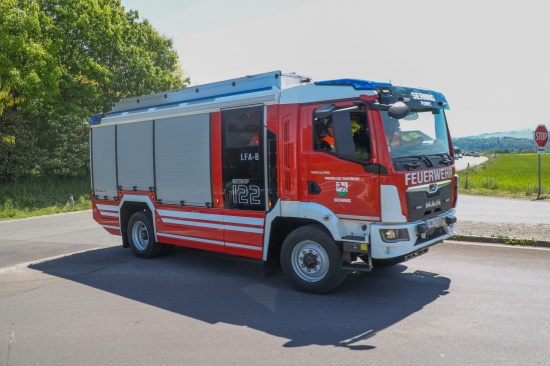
<point x="140" y="235"/>
<point x="310" y="261"/>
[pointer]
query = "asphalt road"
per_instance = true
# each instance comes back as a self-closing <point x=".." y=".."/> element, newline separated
<point x="467" y="161"/>
<point x="460" y="304"/>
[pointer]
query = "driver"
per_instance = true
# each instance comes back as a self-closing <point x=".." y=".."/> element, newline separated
<point x="393" y="132"/>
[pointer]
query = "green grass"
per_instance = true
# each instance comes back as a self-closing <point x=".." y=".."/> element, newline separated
<point x="507" y="175"/>
<point x="36" y="196"/>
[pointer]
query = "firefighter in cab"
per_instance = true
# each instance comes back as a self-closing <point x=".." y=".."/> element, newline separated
<point x="327" y="142"/>
<point x="393" y="133"/>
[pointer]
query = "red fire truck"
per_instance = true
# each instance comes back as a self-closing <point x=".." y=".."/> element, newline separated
<point x="319" y="178"/>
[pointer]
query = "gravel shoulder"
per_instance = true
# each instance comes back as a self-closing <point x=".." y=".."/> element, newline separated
<point x="503" y="232"/>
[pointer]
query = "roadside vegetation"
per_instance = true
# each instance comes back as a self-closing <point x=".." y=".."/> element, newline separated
<point x="37" y="196"/>
<point x="507" y="175"/>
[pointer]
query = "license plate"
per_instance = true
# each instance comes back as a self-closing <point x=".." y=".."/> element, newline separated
<point x="434" y="222"/>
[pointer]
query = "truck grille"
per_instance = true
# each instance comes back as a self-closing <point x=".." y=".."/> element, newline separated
<point x="428" y="200"/>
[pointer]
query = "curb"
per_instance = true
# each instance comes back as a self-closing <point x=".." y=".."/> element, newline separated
<point x="508" y="241"/>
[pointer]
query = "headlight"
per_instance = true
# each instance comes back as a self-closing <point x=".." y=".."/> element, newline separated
<point x="393" y="235"/>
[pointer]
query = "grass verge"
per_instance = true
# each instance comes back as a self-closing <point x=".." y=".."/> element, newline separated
<point x="37" y="196"/>
<point x="507" y="175"/>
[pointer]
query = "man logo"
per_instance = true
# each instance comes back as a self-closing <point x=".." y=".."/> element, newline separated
<point x="433" y="188"/>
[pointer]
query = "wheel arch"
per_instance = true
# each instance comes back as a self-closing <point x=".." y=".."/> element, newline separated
<point x="128" y="207"/>
<point x="281" y="227"/>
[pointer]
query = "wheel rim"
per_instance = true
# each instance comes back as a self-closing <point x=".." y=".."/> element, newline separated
<point x="140" y="235"/>
<point x="310" y="261"/>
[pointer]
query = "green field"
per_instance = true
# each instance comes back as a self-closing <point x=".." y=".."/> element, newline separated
<point x="507" y="175"/>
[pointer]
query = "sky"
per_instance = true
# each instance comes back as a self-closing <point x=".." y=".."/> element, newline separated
<point x="490" y="58"/>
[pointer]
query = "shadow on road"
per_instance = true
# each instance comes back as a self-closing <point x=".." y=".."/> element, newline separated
<point x="217" y="288"/>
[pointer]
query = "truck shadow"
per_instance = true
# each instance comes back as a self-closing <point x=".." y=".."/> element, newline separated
<point x="218" y="288"/>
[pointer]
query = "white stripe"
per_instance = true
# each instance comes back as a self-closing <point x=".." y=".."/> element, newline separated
<point x="212" y="217"/>
<point x="243" y="246"/>
<point x="365" y="218"/>
<point x="193" y="223"/>
<point x="191" y="238"/>
<point x="105" y="213"/>
<point x="214" y="226"/>
<point x="108" y="207"/>
<point x="111" y="227"/>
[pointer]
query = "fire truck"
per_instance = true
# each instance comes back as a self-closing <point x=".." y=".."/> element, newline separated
<point x="317" y="178"/>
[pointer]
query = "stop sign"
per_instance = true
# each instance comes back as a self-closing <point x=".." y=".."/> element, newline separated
<point x="541" y="135"/>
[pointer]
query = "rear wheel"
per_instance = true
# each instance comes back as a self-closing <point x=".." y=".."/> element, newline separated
<point x="141" y="236"/>
<point x="312" y="260"/>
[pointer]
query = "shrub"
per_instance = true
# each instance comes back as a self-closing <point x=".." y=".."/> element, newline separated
<point x="65" y="143"/>
<point x="19" y="152"/>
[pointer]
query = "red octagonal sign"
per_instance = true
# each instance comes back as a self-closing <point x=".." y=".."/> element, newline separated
<point x="541" y="135"/>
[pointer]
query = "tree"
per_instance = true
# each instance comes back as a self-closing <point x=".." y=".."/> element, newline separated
<point x="64" y="60"/>
<point x="78" y="57"/>
<point x="107" y="54"/>
<point x="28" y="71"/>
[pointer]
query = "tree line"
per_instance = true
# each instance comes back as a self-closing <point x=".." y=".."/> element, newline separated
<point x="498" y="145"/>
<point x="61" y="61"/>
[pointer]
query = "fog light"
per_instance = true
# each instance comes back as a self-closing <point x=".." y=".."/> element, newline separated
<point x="393" y="235"/>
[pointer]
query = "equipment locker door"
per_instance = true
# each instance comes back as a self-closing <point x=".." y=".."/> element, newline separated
<point x="243" y="162"/>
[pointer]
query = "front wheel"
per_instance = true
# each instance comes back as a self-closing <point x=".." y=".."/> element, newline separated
<point x="312" y="260"/>
<point x="141" y="236"/>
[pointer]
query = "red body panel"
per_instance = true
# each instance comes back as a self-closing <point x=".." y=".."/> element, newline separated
<point x="105" y="213"/>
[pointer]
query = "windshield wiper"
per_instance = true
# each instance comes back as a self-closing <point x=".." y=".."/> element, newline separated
<point x="421" y="157"/>
<point x="446" y="158"/>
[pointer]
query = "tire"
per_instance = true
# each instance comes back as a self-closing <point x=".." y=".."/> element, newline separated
<point x="141" y="236"/>
<point x="311" y="260"/>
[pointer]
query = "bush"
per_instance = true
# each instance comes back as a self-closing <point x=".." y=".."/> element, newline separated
<point x="31" y="144"/>
<point x="19" y="152"/>
<point x="65" y="143"/>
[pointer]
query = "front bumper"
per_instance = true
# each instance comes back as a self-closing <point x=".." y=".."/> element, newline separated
<point x="419" y="236"/>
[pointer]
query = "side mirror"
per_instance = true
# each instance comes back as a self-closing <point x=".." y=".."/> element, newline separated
<point x="399" y="110"/>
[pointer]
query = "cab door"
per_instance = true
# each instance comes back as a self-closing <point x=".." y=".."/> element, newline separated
<point x="243" y="176"/>
<point x="347" y="183"/>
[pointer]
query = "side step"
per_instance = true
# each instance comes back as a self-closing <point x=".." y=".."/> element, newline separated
<point x="358" y="265"/>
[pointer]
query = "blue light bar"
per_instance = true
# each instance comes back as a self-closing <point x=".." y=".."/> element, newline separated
<point x="357" y="84"/>
<point x="96" y="119"/>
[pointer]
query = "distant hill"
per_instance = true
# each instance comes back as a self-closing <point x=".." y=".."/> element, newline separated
<point x="519" y="141"/>
<point x="519" y="134"/>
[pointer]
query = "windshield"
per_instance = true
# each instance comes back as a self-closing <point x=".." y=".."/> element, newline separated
<point x="422" y="133"/>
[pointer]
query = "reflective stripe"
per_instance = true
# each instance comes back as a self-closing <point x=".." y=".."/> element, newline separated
<point x="212" y="217"/>
<point x="243" y="246"/>
<point x="190" y="238"/>
<point x="110" y="227"/>
<point x="108" y="207"/>
<point x="214" y="226"/>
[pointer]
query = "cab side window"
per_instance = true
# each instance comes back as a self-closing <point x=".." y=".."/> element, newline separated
<point x="323" y="138"/>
